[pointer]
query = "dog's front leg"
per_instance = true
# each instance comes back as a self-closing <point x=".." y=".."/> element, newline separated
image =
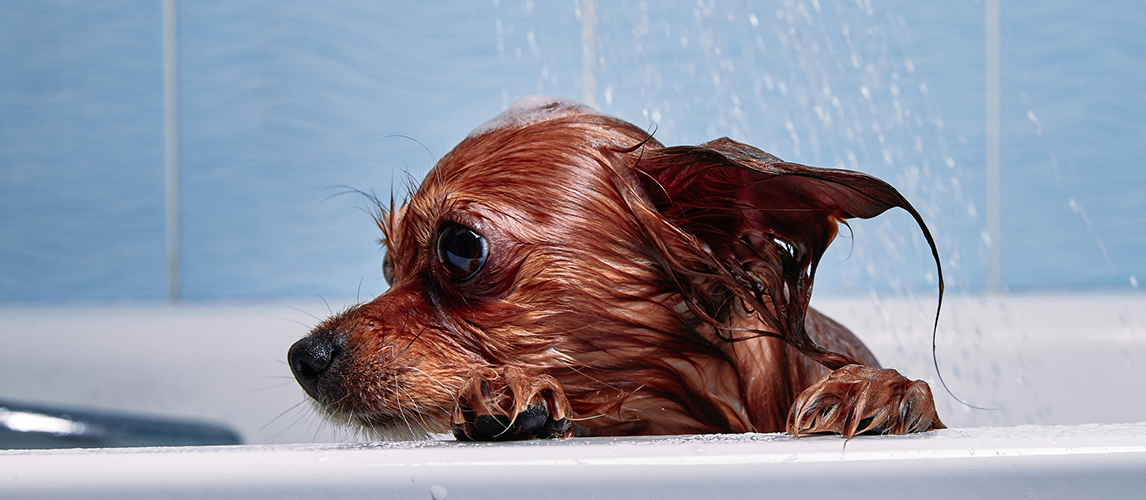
<point x="857" y="399"/>
<point x="509" y="403"/>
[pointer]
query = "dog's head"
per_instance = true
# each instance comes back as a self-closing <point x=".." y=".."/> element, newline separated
<point x="558" y="239"/>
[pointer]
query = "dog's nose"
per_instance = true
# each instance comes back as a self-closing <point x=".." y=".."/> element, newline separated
<point x="309" y="358"/>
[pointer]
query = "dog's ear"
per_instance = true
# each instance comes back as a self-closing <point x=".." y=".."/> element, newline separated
<point x="765" y="224"/>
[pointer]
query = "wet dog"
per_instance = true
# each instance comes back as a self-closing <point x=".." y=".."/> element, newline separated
<point x="560" y="273"/>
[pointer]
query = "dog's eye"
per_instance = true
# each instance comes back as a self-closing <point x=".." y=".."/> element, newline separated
<point x="461" y="250"/>
<point x="388" y="268"/>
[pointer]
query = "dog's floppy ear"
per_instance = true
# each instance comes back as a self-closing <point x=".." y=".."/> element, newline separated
<point x="764" y="224"/>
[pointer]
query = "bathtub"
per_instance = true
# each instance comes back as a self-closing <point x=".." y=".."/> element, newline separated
<point x="1059" y="375"/>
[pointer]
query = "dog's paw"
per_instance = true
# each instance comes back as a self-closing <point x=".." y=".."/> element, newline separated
<point x="856" y="399"/>
<point x="506" y="403"/>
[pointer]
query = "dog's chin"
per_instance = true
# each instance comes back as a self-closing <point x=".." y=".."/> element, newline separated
<point x="407" y="426"/>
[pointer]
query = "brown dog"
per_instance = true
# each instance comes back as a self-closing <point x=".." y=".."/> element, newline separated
<point x="561" y="272"/>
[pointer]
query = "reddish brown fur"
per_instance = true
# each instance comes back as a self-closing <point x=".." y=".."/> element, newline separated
<point x="612" y="270"/>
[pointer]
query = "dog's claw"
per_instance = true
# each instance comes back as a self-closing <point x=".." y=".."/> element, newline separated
<point x="507" y="404"/>
<point x="856" y="399"/>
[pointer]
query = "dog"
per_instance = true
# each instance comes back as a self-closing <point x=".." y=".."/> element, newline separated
<point x="561" y="273"/>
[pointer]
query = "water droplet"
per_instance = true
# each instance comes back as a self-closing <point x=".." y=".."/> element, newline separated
<point x="438" y="492"/>
<point x="1035" y="121"/>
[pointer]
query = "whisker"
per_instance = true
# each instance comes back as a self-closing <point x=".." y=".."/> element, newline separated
<point x="421" y="416"/>
<point x="308" y="313"/>
<point x="280" y="415"/>
<point x="436" y="381"/>
<point x="286" y="382"/>
<point x="378" y="353"/>
<point x="304" y="325"/>
<point x="446" y="412"/>
<point x="433" y="158"/>
<point x="423" y="330"/>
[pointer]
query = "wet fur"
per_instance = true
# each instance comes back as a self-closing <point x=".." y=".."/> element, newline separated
<point x="664" y="289"/>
